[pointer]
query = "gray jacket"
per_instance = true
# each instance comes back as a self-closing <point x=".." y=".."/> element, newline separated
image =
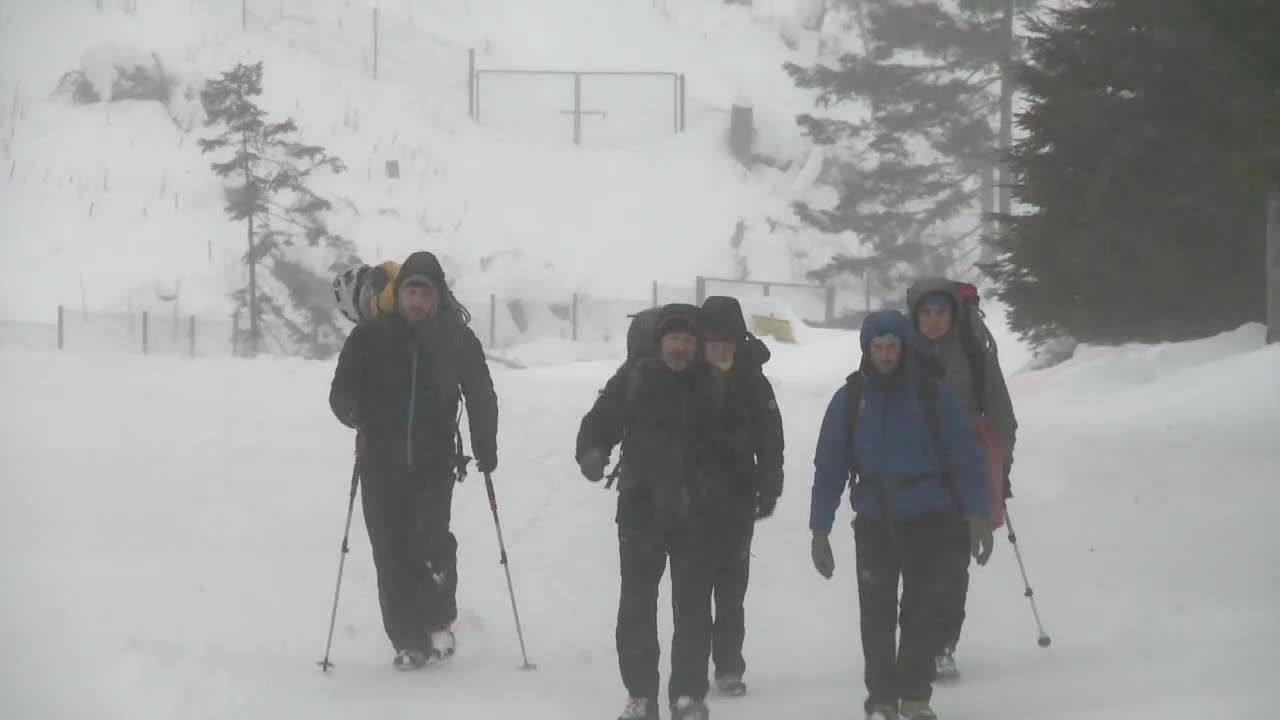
<point x="950" y="351"/>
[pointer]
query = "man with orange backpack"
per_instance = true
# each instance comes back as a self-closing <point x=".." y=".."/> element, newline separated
<point x="951" y="331"/>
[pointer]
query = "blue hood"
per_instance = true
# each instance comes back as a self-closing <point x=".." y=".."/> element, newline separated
<point x="889" y="322"/>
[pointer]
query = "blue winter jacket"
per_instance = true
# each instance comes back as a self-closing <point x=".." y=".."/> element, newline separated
<point x="893" y="445"/>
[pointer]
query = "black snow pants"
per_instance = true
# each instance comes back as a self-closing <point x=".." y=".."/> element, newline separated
<point x="414" y="553"/>
<point x="730" y="572"/>
<point x="922" y="552"/>
<point x="643" y="550"/>
<point x="957" y="595"/>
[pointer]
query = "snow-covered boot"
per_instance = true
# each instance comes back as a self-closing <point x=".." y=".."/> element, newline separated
<point x="946" y="665"/>
<point x="409" y="660"/>
<point x="687" y="708"/>
<point x="443" y="644"/>
<point x="730" y="685"/>
<point x="882" y="712"/>
<point x="916" y="710"/>
<point x="640" y="709"/>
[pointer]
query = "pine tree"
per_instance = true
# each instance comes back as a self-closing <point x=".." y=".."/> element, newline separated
<point x="1142" y="227"/>
<point x="269" y="170"/>
<point x="913" y="169"/>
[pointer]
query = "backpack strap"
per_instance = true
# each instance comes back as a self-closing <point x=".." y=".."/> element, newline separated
<point x="634" y="373"/>
<point x="929" y="406"/>
<point x="976" y="341"/>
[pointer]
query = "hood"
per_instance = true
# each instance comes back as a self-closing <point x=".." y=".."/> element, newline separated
<point x="928" y="286"/>
<point x="889" y="322"/>
<point x="722" y="318"/>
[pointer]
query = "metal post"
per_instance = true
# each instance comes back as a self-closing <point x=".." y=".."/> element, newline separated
<point x="144" y="332"/>
<point x="766" y="289"/>
<point x="577" y="108"/>
<point x="375" y="43"/>
<point x="1273" y="264"/>
<point x="471" y="83"/>
<point x="193" y="336"/>
<point x="573" y="318"/>
<point x="700" y="289"/>
<point x="493" y="320"/>
<point x="831" y="304"/>
<point x="682" y="102"/>
<point x="655" y="293"/>
<point x="60" y="326"/>
<point x="244" y="14"/>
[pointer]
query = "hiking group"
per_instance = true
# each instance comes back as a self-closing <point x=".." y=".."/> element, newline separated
<point x="923" y="432"/>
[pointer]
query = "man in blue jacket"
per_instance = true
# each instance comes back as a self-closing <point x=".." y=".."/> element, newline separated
<point x="920" y="478"/>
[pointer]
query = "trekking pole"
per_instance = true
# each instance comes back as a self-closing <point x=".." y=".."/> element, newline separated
<point x="1031" y="596"/>
<point x="502" y="548"/>
<point x="342" y="559"/>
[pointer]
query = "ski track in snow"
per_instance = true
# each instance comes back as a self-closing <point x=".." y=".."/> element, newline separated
<point x="174" y="526"/>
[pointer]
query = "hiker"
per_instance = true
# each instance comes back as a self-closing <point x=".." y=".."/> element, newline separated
<point x="754" y="478"/>
<point x="398" y="382"/>
<point x="952" y="332"/>
<point x="918" y="473"/>
<point x="665" y="406"/>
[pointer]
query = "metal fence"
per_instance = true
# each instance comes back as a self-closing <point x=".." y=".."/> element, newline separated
<point x="143" y="332"/>
<point x="819" y="305"/>
<point x="605" y="109"/>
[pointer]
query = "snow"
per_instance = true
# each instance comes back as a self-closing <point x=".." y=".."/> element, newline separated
<point x="182" y="560"/>
<point x="93" y="190"/>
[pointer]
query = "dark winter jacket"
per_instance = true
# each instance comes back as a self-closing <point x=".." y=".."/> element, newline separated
<point x="671" y="427"/>
<point x="400" y="385"/>
<point x="756" y="440"/>
<point x="893" y="446"/>
<point x="951" y="354"/>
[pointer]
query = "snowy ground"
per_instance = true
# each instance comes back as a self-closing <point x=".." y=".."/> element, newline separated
<point x="171" y="539"/>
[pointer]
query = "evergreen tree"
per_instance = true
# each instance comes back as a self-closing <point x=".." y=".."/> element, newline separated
<point x="269" y="171"/>
<point x="913" y="166"/>
<point x="1142" y="228"/>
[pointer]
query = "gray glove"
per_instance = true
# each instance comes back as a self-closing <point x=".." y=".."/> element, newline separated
<point x="823" y="561"/>
<point x="592" y="464"/>
<point x="981" y="542"/>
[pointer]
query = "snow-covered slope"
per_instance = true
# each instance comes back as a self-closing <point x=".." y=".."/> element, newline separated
<point x="114" y="203"/>
<point x="171" y="542"/>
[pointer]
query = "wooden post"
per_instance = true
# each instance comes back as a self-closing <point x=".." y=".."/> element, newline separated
<point x="144" y="332"/>
<point x="655" y="293"/>
<point x="766" y="289"/>
<point x="700" y="289"/>
<point x="244" y="14"/>
<point x="61" y="325"/>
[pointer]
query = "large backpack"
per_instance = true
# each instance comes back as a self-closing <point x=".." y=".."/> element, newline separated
<point x="975" y="339"/>
<point x="642" y="333"/>
<point x="928" y="395"/>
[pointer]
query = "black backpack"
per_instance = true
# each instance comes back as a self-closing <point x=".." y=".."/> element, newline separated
<point x="928" y="395"/>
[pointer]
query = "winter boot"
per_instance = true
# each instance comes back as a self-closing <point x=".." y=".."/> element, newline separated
<point x="946" y="665"/>
<point x="916" y="710"/>
<point x="730" y="685"/>
<point x="640" y="709"/>
<point x="409" y="660"/>
<point x="880" y="710"/>
<point x="687" y="708"/>
<point x="443" y="644"/>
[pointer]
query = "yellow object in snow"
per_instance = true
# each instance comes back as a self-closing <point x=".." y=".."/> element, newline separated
<point x="776" y="328"/>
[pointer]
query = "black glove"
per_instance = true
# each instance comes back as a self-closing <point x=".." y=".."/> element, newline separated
<point x="765" y="505"/>
<point x="823" y="561"/>
<point x="981" y="541"/>
<point x="768" y="490"/>
<point x="486" y="465"/>
<point x="592" y="464"/>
